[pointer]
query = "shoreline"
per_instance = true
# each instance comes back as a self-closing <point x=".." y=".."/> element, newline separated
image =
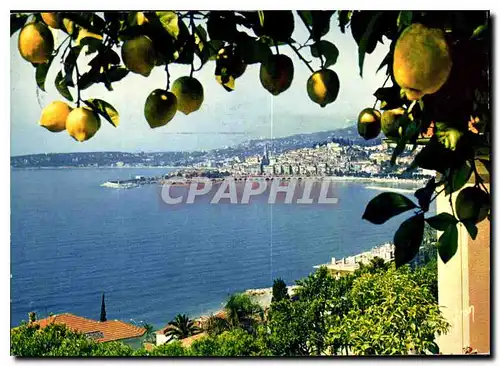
<point x="98" y="167"/>
<point x="344" y="178"/>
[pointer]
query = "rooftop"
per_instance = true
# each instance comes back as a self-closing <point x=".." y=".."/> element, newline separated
<point x="111" y="330"/>
<point x="186" y="342"/>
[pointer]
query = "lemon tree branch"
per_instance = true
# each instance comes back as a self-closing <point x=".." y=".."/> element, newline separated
<point x="300" y="56"/>
<point x="168" y="77"/>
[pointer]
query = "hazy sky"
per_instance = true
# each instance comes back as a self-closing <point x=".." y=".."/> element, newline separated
<point x="248" y="112"/>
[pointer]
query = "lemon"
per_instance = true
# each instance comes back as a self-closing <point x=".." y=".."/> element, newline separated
<point x="323" y="87"/>
<point x="422" y="61"/>
<point x="369" y="123"/>
<point x="54" y="116"/>
<point x="82" y="123"/>
<point x="390" y="122"/>
<point x="189" y="94"/>
<point x="160" y="108"/>
<point x="36" y="43"/>
<point x="139" y="55"/>
<point x="51" y="19"/>
<point x="276" y="74"/>
<point x="472" y="204"/>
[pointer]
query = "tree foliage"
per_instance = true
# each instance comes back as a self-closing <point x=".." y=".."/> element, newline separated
<point x="377" y="310"/>
<point x="57" y="340"/>
<point x="242" y="311"/>
<point x="280" y="291"/>
<point x="181" y="327"/>
<point x="391" y="313"/>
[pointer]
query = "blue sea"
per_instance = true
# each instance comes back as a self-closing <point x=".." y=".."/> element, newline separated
<point x="72" y="240"/>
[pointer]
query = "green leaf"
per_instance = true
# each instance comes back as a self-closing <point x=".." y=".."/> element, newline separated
<point x="365" y="40"/>
<point x="326" y="49"/>
<point x="390" y="95"/>
<point x="434" y="156"/>
<point x="61" y="86"/>
<point x="385" y="62"/>
<point x="17" y="21"/>
<point x="116" y="73"/>
<point x="170" y="22"/>
<point x="471" y="227"/>
<point x="424" y="194"/>
<point x="93" y="44"/>
<point x="386" y="205"/>
<point x="41" y="73"/>
<point x="261" y="17"/>
<point x="320" y="23"/>
<point x="404" y="19"/>
<point x="104" y="109"/>
<point x="459" y="178"/>
<point x="479" y="32"/>
<point x="254" y="51"/>
<point x="69" y="64"/>
<point x="87" y="79"/>
<point x="442" y="221"/>
<point x="306" y="17"/>
<point x="448" y="136"/>
<point x="221" y="25"/>
<point x="408" y="238"/>
<point x="104" y="60"/>
<point x="344" y="17"/>
<point x="448" y="243"/>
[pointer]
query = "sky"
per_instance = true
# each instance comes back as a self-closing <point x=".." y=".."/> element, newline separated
<point x="249" y="112"/>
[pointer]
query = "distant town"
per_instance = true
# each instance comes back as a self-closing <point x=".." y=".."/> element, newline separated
<point x="329" y="153"/>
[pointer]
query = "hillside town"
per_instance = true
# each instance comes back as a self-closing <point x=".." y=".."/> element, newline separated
<point x="330" y="159"/>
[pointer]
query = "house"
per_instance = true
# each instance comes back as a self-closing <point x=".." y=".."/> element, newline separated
<point x="110" y="330"/>
<point x="161" y="338"/>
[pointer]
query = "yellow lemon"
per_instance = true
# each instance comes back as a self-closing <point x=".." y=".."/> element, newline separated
<point x="390" y="122"/>
<point x="51" y="19"/>
<point x="369" y="123"/>
<point x="36" y="43"/>
<point x="54" y="116"/>
<point x="139" y="55"/>
<point x="422" y="61"/>
<point x="189" y="94"/>
<point x="323" y="87"/>
<point x="82" y="123"/>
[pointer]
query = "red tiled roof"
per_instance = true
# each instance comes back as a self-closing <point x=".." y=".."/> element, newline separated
<point x="107" y="331"/>
<point x="186" y="342"/>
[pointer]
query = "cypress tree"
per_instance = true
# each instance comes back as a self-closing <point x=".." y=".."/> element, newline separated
<point x="103" y="310"/>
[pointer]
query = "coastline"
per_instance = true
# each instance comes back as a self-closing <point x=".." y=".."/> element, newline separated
<point x="344" y="178"/>
<point x="99" y="167"/>
<point x="397" y="190"/>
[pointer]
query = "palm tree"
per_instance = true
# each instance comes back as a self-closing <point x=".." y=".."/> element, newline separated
<point x="181" y="327"/>
<point x="149" y="333"/>
<point x="242" y="311"/>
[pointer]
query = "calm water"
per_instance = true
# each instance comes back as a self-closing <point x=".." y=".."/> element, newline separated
<point x="71" y="240"/>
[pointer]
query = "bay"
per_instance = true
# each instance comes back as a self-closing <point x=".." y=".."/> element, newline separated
<point x="72" y="240"/>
